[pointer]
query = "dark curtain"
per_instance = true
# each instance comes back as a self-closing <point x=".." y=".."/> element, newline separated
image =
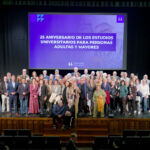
<point x="14" y="37"/>
<point x="13" y="41"/>
<point x="138" y="52"/>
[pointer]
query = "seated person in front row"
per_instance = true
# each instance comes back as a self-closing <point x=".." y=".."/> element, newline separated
<point x="58" y="113"/>
<point x="69" y="114"/>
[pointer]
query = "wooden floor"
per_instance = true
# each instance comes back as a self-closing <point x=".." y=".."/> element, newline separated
<point x="86" y="128"/>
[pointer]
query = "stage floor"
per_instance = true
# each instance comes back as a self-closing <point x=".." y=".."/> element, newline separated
<point x="116" y="115"/>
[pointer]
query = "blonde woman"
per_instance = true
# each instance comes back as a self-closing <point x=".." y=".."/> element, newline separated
<point x="70" y="92"/>
<point x="19" y="79"/>
<point x="76" y="97"/>
<point x="48" y="104"/>
<point x="90" y="91"/>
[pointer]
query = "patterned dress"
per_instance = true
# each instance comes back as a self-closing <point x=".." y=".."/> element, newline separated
<point x="99" y="99"/>
<point x="33" y="103"/>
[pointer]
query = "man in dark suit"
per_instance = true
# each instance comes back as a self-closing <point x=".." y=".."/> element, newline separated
<point x="23" y="91"/>
<point x="43" y="92"/>
<point x="8" y="76"/>
<point x="105" y="85"/>
<point x="4" y="94"/>
<point x="83" y="108"/>
<point x="12" y="91"/>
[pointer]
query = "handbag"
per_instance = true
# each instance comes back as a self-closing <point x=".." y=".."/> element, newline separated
<point x="54" y="98"/>
<point x="139" y="94"/>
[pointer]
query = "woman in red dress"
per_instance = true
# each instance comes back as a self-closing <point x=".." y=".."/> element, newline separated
<point x="33" y="103"/>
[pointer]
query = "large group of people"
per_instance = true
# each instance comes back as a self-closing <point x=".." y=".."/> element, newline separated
<point x="97" y="94"/>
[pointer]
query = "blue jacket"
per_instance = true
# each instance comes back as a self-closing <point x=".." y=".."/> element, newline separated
<point x="46" y="77"/>
<point x="106" y="88"/>
<point x="11" y="89"/>
<point x="22" y="89"/>
<point x="58" y="110"/>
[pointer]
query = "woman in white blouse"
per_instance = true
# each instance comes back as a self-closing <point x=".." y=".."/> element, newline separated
<point x="145" y="93"/>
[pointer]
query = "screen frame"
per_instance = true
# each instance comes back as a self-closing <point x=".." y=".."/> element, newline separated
<point x="84" y="13"/>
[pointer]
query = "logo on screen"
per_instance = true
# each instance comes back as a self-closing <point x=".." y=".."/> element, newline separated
<point x="120" y="19"/>
<point x="40" y="17"/>
<point x="70" y="64"/>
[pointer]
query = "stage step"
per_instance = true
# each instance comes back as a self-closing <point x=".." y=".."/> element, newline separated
<point x="88" y="131"/>
<point x="82" y="140"/>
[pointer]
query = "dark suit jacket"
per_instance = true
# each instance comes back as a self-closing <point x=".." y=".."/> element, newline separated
<point x="85" y="89"/>
<point x="44" y="91"/>
<point x="22" y="89"/>
<point x="71" y="110"/>
<point x="132" y="91"/>
<point x="11" y="88"/>
<point x="3" y="88"/>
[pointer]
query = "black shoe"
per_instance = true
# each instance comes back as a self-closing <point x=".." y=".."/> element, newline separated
<point x="26" y="115"/>
<point x="54" y="127"/>
<point x="63" y="127"/>
<point x="49" y="115"/>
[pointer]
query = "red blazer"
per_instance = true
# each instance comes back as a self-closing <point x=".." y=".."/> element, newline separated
<point x="107" y="97"/>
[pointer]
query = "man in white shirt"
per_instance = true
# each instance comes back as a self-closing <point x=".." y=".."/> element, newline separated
<point x="86" y="73"/>
<point x="126" y="77"/>
<point x="76" y="69"/>
<point x="145" y="77"/>
<point x="24" y="74"/>
<point x="114" y="76"/>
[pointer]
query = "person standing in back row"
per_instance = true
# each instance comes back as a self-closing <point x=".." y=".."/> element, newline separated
<point x="12" y="90"/>
<point x="23" y="91"/>
<point x="132" y="97"/>
<point x="123" y="92"/>
<point x="43" y="93"/>
<point x="34" y="103"/>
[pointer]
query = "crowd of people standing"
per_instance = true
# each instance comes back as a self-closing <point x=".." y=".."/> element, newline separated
<point x="95" y="94"/>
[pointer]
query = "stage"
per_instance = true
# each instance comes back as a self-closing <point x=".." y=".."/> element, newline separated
<point x="86" y="128"/>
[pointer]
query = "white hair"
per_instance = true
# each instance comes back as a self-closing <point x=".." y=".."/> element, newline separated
<point x="114" y="72"/>
<point x="75" y="67"/>
<point x="44" y="71"/>
<point x="104" y="75"/>
<point x="56" y="70"/>
<point x="24" y="70"/>
<point x="59" y="101"/>
<point x="93" y="72"/>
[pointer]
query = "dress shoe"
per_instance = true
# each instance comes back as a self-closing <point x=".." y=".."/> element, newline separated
<point x="16" y="114"/>
<point x="10" y="114"/>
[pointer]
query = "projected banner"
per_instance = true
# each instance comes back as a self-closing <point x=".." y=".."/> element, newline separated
<point x="103" y="41"/>
<point x="65" y="41"/>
